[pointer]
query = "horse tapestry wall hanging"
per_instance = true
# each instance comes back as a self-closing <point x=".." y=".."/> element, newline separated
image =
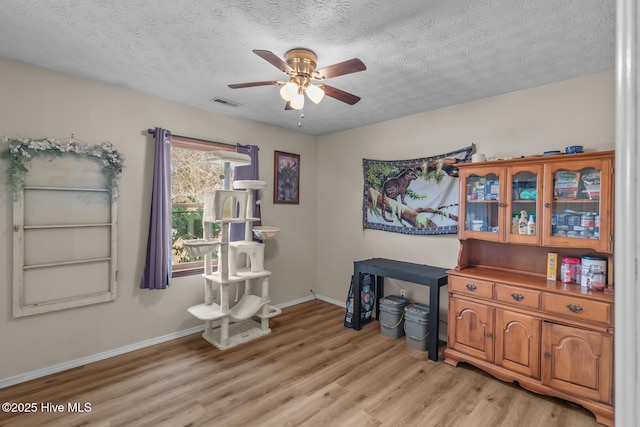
<point x="418" y="196"/>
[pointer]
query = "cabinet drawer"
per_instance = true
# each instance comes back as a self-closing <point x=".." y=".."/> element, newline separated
<point x="519" y="296"/>
<point x="463" y="285"/>
<point x="596" y="311"/>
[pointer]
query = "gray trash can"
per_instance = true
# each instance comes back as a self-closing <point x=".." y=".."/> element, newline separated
<point x="416" y="319"/>
<point x="392" y="315"/>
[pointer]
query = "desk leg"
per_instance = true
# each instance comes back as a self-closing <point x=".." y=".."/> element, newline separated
<point x="434" y="321"/>
<point x="357" y="296"/>
<point x="379" y="294"/>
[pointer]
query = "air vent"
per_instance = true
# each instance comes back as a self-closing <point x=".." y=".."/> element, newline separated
<point x="226" y="102"/>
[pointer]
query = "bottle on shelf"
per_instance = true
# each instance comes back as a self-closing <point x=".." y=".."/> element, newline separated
<point x="531" y="225"/>
<point x="523" y="222"/>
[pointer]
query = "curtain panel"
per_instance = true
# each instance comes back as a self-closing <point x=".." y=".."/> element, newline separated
<point x="157" y="268"/>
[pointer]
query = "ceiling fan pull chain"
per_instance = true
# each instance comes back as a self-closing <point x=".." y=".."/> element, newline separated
<point x="301" y="117"/>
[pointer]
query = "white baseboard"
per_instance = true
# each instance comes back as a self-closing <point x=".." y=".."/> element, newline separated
<point x="342" y="304"/>
<point x="311" y="297"/>
<point x="6" y="382"/>
<point x="295" y="302"/>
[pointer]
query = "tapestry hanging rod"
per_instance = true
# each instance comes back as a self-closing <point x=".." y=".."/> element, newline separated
<point x="188" y="138"/>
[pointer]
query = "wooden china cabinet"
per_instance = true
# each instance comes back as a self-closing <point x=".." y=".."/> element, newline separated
<point x="505" y="317"/>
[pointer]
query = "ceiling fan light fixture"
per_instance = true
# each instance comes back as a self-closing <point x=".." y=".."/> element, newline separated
<point x="288" y="91"/>
<point x="300" y="67"/>
<point x="297" y="102"/>
<point x="314" y="93"/>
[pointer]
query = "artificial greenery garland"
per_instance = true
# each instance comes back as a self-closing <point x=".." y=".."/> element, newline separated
<point x="21" y="151"/>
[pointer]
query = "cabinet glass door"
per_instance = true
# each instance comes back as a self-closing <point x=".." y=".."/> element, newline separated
<point x="482" y="205"/>
<point x="576" y="209"/>
<point x="523" y="209"/>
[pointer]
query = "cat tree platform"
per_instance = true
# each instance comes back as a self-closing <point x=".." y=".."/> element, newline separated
<point x="226" y="324"/>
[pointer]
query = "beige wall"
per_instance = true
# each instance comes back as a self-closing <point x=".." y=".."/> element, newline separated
<point x="528" y="122"/>
<point x="38" y="103"/>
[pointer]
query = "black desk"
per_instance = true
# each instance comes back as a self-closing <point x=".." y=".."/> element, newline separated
<point x="426" y="275"/>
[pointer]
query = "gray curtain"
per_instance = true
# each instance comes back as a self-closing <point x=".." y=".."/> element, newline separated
<point x="157" y="268"/>
<point x="251" y="171"/>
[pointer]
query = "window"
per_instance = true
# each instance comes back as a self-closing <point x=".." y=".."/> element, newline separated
<point x="191" y="177"/>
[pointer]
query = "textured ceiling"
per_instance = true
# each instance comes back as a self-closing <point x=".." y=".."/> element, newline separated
<point x="420" y="54"/>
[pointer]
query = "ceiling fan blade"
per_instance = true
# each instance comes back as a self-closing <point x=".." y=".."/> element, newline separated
<point x="252" y="84"/>
<point x="346" y="67"/>
<point x="274" y="60"/>
<point x="338" y="94"/>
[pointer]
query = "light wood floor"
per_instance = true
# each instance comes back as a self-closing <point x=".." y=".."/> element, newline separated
<point x="310" y="371"/>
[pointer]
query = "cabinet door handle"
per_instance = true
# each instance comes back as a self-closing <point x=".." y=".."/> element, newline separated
<point x="500" y="204"/>
<point x="489" y="335"/>
<point x="547" y="205"/>
<point x="517" y="297"/>
<point x="547" y="356"/>
<point x="471" y="287"/>
<point x="574" y="308"/>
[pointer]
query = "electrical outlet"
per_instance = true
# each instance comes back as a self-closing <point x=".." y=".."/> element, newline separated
<point x="403" y="292"/>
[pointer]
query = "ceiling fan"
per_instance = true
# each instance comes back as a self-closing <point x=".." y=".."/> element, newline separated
<point x="300" y="65"/>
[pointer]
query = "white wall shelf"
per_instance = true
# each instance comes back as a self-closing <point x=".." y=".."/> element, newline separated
<point x="64" y="239"/>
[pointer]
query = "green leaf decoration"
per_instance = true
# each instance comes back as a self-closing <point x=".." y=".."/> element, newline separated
<point x="21" y="151"/>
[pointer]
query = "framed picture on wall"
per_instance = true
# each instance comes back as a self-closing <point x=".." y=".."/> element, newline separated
<point x="286" y="180"/>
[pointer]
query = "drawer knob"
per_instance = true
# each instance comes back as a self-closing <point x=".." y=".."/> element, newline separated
<point x="547" y="356"/>
<point x="471" y="287"/>
<point x="517" y="297"/>
<point x="489" y="335"/>
<point x="574" y="308"/>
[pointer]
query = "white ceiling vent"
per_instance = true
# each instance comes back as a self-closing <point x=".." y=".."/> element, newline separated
<point x="226" y="102"/>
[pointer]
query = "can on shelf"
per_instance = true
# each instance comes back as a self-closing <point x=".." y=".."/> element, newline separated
<point x="570" y="270"/>
<point x="587" y="219"/>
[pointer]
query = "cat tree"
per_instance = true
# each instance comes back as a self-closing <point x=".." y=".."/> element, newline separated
<point x="227" y="326"/>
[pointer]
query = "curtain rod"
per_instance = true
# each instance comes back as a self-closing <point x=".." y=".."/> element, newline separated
<point x="153" y="131"/>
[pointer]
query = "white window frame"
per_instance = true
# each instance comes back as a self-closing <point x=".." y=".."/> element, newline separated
<point x="194" y="267"/>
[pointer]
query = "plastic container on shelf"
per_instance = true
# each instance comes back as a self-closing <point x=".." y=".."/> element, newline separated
<point x="574" y="149"/>
<point x="531" y="225"/>
<point x="587" y="263"/>
<point x="570" y="270"/>
<point x="596" y="279"/>
<point x="523" y="222"/>
<point x="476" y="225"/>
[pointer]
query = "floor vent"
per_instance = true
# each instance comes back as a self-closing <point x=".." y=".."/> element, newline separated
<point x="226" y="102"/>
